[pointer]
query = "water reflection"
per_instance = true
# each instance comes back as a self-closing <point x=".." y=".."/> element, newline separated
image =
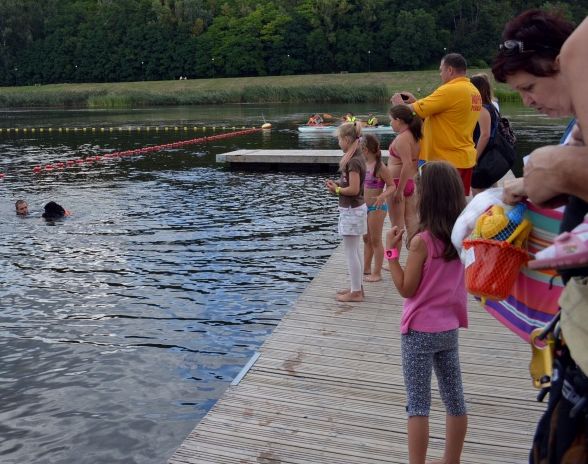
<point x="121" y="325"/>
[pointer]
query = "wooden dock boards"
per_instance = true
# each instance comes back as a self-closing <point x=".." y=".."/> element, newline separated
<point x="328" y="388"/>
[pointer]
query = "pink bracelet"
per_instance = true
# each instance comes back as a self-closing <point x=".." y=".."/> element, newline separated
<point x="391" y="254"/>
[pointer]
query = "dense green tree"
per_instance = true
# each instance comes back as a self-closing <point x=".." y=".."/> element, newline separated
<point x="48" y="41"/>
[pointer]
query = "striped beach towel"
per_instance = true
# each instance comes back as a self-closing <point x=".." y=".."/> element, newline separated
<point x="534" y="297"/>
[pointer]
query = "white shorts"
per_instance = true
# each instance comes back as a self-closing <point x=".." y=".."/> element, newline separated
<point x="353" y="221"/>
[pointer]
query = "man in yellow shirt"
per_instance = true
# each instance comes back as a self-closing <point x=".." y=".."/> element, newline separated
<point x="450" y="114"/>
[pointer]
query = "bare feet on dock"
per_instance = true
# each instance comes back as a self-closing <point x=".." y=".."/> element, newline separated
<point x="373" y="278"/>
<point x="350" y="297"/>
<point x="348" y="290"/>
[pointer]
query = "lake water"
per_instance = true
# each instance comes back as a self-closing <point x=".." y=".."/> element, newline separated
<point x="122" y="325"/>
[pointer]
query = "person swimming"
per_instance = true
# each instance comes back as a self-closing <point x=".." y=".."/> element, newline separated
<point x="54" y="211"/>
<point x="22" y="208"/>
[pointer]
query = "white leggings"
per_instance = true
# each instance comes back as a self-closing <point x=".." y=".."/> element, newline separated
<point x="352" y="245"/>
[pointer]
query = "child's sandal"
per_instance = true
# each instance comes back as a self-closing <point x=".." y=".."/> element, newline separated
<point x="569" y="249"/>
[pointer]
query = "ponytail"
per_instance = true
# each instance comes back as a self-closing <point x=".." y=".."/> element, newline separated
<point x="351" y="131"/>
<point x="409" y="117"/>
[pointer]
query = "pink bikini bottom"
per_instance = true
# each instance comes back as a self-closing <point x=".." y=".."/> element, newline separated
<point x="408" y="188"/>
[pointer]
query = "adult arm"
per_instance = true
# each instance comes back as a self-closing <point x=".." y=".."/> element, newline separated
<point x="485" y="123"/>
<point x="398" y="100"/>
<point x="573" y="62"/>
<point x="407" y="280"/>
<point x="556" y="170"/>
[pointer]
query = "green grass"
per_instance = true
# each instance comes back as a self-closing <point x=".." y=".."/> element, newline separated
<point x="324" y="88"/>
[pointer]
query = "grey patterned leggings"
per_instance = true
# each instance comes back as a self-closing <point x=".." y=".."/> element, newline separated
<point x="421" y="352"/>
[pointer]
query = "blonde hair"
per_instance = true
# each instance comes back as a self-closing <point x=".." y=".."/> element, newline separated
<point x="352" y="132"/>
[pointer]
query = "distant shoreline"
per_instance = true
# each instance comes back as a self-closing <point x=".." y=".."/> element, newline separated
<point x="320" y="88"/>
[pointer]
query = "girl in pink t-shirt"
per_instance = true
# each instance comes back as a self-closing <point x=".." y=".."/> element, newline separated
<point x="435" y="308"/>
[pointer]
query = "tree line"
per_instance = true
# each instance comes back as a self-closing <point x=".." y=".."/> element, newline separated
<point x="56" y="41"/>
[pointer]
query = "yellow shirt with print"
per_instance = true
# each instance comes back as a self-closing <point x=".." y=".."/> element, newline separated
<point x="450" y="113"/>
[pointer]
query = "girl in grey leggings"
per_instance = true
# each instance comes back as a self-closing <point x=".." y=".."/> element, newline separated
<point x="435" y="307"/>
<point x="421" y="353"/>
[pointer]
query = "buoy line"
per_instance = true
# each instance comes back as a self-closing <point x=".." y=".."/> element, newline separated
<point x="69" y="130"/>
<point x="57" y="165"/>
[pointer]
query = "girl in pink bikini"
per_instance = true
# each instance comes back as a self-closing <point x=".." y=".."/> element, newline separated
<point x="376" y="178"/>
<point x="402" y="165"/>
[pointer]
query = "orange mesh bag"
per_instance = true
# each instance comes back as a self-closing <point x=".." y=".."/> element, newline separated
<point x="492" y="267"/>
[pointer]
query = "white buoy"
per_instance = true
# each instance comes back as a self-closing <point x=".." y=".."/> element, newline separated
<point x="266" y="125"/>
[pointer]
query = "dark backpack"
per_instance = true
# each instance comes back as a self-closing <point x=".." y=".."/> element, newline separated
<point x="505" y="130"/>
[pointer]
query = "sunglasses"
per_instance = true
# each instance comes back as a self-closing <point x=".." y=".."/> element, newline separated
<point x="515" y="47"/>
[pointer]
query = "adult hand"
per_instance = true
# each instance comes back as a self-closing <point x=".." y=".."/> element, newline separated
<point x="540" y="176"/>
<point x="393" y="237"/>
<point x="514" y="191"/>
<point x="380" y="199"/>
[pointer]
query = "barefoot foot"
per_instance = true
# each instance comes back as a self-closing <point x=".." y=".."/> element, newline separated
<point x="373" y="278"/>
<point x="351" y="297"/>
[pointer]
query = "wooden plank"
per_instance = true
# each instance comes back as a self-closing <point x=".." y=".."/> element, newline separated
<point x="295" y="156"/>
<point x="328" y="388"/>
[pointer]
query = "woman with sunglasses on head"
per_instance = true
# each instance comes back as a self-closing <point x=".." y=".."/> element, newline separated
<point x="537" y="59"/>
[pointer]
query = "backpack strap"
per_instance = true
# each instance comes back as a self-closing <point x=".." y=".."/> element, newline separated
<point x="494" y="119"/>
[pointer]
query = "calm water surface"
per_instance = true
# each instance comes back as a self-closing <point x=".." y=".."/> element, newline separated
<point x="123" y="324"/>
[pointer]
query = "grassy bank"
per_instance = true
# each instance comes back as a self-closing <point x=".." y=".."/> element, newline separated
<point x="322" y="88"/>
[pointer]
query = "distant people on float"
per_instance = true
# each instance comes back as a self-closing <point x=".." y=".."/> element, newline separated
<point x="54" y="211"/>
<point x="315" y="120"/>
<point x="450" y="114"/>
<point x="22" y="208"/>
<point x="349" y="117"/>
<point x="371" y="121"/>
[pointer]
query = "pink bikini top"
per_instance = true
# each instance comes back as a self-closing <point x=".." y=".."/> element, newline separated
<point x="391" y="147"/>
<point x="393" y="152"/>
<point x="373" y="182"/>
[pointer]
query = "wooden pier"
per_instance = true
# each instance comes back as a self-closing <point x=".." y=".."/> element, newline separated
<point x="302" y="159"/>
<point x="328" y="388"/>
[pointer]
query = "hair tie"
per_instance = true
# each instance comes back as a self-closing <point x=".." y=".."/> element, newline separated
<point x="413" y="113"/>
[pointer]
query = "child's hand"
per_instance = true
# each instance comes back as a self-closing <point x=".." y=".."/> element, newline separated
<point x="397" y="196"/>
<point x="331" y="185"/>
<point x="380" y="199"/>
<point x="393" y="237"/>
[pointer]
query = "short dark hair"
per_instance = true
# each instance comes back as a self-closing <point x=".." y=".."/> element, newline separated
<point x="456" y="61"/>
<point x="53" y="211"/>
<point x="542" y="34"/>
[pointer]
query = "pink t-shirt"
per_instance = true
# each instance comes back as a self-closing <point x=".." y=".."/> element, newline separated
<point x="439" y="303"/>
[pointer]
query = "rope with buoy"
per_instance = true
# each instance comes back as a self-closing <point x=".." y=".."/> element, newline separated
<point x="128" y="153"/>
<point x="93" y="130"/>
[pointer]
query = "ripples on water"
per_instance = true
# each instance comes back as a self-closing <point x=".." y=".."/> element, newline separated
<point x="121" y="325"/>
